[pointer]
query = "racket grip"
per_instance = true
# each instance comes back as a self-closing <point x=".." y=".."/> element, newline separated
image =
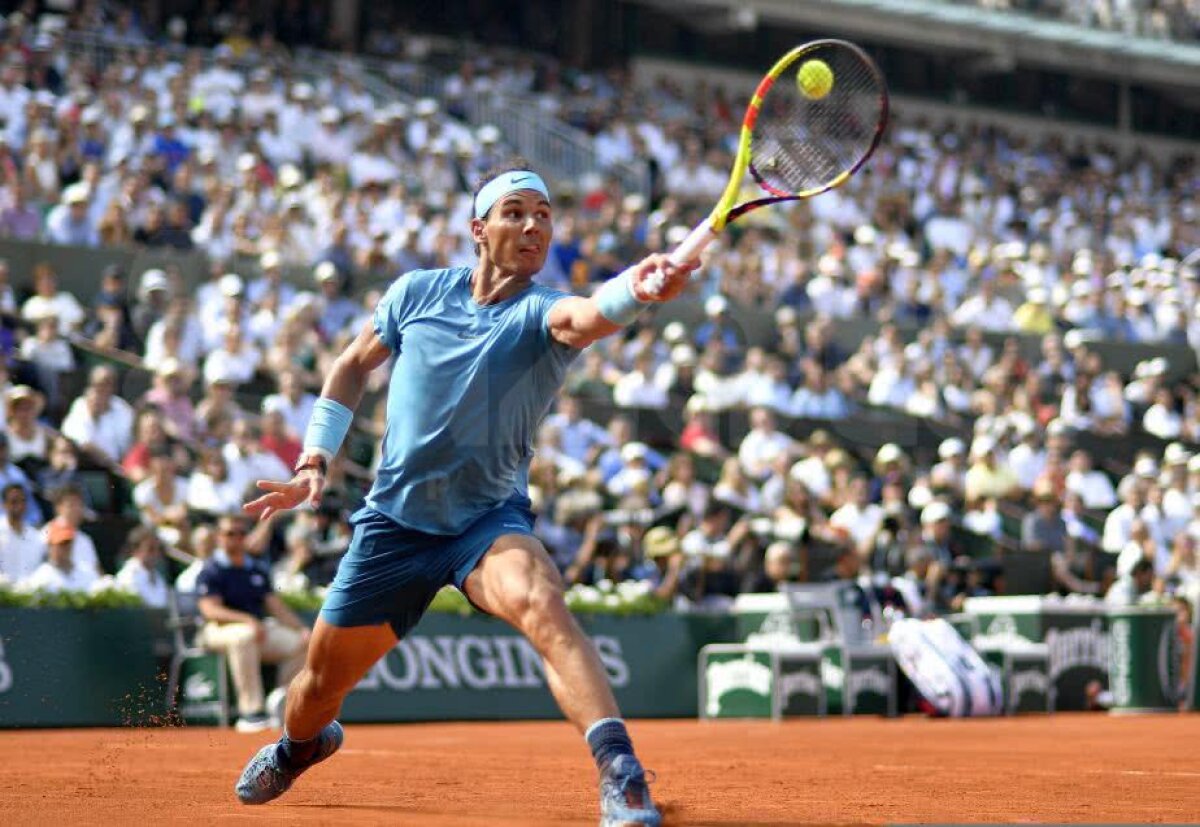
<point x="691" y="247"/>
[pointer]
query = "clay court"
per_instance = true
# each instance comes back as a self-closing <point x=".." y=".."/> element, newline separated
<point x="1083" y="768"/>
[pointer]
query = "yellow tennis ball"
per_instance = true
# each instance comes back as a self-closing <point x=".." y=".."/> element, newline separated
<point x="814" y="79"/>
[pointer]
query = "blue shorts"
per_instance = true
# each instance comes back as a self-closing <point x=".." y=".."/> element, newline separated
<point x="391" y="573"/>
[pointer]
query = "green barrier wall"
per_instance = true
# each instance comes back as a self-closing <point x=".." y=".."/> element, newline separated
<point x="80" y="668"/>
<point x="100" y="668"/>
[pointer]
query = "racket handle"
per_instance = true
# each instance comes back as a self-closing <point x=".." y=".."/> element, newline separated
<point x="691" y="247"/>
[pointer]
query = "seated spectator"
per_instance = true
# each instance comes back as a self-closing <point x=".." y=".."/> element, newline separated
<point x="60" y="573"/>
<point x="69" y="507"/>
<point x="170" y="396"/>
<point x="293" y="401"/>
<point x="28" y="439"/>
<point x="140" y="573"/>
<point x="48" y="300"/>
<point x="10" y="473"/>
<point x="203" y="545"/>
<point x="781" y="564"/>
<point x="859" y="518"/>
<point x="580" y="436"/>
<point x="162" y="498"/>
<point x="70" y="221"/>
<point x="248" y="460"/>
<point x="1094" y="487"/>
<point x="816" y="398"/>
<point x="151" y="438"/>
<point x="709" y="577"/>
<point x="699" y="433"/>
<point x="337" y="311"/>
<point x="100" y="422"/>
<point x="1142" y="545"/>
<point x="233" y="360"/>
<point x="277" y="439"/>
<point x="22" y="548"/>
<point x="1132" y="587"/>
<point x="683" y="491"/>
<point x="211" y="488"/>
<point x="735" y="489"/>
<point x="762" y="444"/>
<point x="983" y="517"/>
<point x="987" y="477"/>
<point x="245" y="619"/>
<point x="49" y="354"/>
<point x="1043" y="529"/>
<point x="661" y="548"/>
<point x="636" y="387"/>
<point x="1118" y="524"/>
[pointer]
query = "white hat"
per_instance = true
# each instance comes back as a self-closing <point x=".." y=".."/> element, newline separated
<point x="935" y="512"/>
<point x="1176" y="454"/>
<point x="246" y="162"/>
<point x="1037" y="295"/>
<point x="230" y="284"/>
<point x="715" y="305"/>
<point x="290" y="176"/>
<point x="1056" y="426"/>
<point x="426" y="107"/>
<point x="1081" y="288"/>
<point x="952" y="447"/>
<point x="1145" y="467"/>
<point x="683" y="355"/>
<point x="169" y="366"/>
<point x="1072" y="339"/>
<point x="785" y="315"/>
<point x="138" y="112"/>
<point x="674" y="333"/>
<point x="632" y="451"/>
<point x="302" y="91"/>
<point x="1194" y="464"/>
<point x="325" y="271"/>
<point x="696" y="403"/>
<point x="330" y="114"/>
<point x="889" y="452"/>
<point x="983" y="444"/>
<point x="489" y="134"/>
<point x="76" y="194"/>
<point x="269" y="260"/>
<point x="153" y="279"/>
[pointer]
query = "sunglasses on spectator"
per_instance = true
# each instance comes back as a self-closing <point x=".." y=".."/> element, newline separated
<point x="233" y="532"/>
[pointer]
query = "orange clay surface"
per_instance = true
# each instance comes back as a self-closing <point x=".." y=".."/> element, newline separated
<point x="1066" y="767"/>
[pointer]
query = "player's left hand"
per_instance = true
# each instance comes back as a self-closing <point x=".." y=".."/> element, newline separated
<point x="656" y="279"/>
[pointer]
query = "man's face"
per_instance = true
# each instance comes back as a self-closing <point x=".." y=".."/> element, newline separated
<point x="516" y="232"/>
<point x="14" y="505"/>
<point x="59" y="554"/>
<point x="232" y="535"/>
<point x="70" y="507"/>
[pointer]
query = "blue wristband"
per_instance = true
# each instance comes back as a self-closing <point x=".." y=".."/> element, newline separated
<point x="616" y="301"/>
<point x="327" y="427"/>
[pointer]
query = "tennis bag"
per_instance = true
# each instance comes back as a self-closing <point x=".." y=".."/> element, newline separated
<point x="945" y="670"/>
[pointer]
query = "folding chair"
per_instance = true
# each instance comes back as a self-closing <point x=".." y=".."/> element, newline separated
<point x="204" y="674"/>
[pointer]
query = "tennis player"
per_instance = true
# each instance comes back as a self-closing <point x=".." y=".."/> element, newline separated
<point x="480" y="354"/>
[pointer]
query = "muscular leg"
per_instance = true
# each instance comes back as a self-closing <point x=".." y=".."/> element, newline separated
<point x="338" y="657"/>
<point x="516" y="582"/>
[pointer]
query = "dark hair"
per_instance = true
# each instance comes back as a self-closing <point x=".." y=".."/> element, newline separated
<point x="10" y="487"/>
<point x="1141" y="567"/>
<point x="514" y="164"/>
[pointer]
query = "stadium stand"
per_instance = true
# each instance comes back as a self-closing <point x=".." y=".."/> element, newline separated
<point x="971" y="371"/>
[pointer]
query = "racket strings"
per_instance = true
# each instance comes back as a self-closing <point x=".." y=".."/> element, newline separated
<point x="800" y="143"/>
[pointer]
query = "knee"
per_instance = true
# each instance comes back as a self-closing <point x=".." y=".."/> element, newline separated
<point x="240" y="637"/>
<point x="541" y="613"/>
<point x="322" y="684"/>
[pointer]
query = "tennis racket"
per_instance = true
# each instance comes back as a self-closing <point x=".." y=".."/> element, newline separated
<point x="813" y="121"/>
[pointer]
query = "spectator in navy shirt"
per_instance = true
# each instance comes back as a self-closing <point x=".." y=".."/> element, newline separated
<point x="245" y="619"/>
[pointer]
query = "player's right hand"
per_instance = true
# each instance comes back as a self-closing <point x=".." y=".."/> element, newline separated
<point x="306" y="486"/>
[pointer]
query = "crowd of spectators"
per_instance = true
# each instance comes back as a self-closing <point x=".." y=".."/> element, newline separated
<point x="1161" y="19"/>
<point x="268" y="172"/>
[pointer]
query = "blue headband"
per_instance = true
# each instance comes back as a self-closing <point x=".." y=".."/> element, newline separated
<point x="503" y="184"/>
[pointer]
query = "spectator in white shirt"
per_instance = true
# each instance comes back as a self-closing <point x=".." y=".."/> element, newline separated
<point x="1119" y="523"/>
<point x="1027" y="460"/>
<point x="22" y="548"/>
<point x="48" y="300"/>
<point x="1162" y="419"/>
<point x="636" y="389"/>
<point x="140" y="574"/>
<point x="859" y="518"/>
<point x="248" y="461"/>
<point x="762" y="444"/>
<point x="1093" y="487"/>
<point x="985" y="310"/>
<point x="100" y="422"/>
<point x="292" y="401"/>
<point x="211" y="488"/>
<point x="60" y="573"/>
<point x="161" y="498"/>
<point x="234" y="360"/>
<point x="203" y="546"/>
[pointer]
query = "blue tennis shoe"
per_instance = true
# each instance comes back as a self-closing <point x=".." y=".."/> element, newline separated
<point x="625" y="796"/>
<point x="266" y="777"/>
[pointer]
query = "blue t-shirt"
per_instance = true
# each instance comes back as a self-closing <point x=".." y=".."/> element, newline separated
<point x="242" y="588"/>
<point x="469" y="388"/>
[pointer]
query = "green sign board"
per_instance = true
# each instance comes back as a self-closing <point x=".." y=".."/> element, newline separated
<point x="1075" y="634"/>
<point x="1144" y="657"/>
<point x="738" y="682"/>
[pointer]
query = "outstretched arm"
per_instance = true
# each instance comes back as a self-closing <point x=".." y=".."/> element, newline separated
<point x="579" y="321"/>
<point x="344" y="385"/>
